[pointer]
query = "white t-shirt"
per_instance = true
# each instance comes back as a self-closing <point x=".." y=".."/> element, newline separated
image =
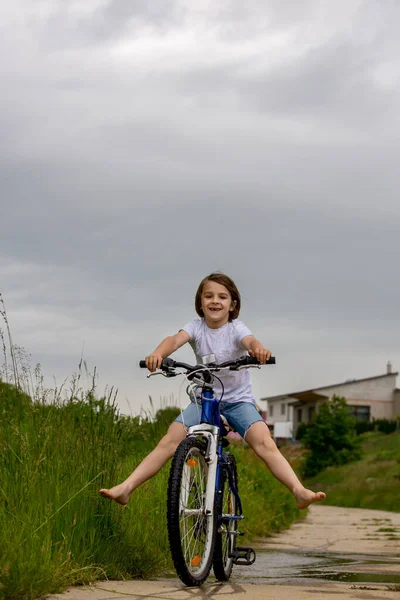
<point x="225" y="343"/>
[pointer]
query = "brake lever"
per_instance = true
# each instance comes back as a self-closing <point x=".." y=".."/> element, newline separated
<point x="163" y="373"/>
<point x="159" y="372"/>
<point x="248" y="367"/>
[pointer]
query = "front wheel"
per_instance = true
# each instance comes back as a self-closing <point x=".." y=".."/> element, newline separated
<point x="191" y="532"/>
<point x="225" y="542"/>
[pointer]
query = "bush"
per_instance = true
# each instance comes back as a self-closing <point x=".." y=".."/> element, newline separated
<point x="331" y="438"/>
<point x="364" y="426"/>
<point x="383" y="425"/>
<point x="301" y="431"/>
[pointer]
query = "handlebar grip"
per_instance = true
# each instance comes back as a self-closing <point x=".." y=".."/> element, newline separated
<point x="251" y="360"/>
<point x="167" y="362"/>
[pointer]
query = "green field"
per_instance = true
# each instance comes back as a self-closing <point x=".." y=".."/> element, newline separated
<point x="372" y="482"/>
<point x="55" y="529"/>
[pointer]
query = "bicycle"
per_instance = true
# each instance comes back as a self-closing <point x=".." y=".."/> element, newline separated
<point x="203" y="502"/>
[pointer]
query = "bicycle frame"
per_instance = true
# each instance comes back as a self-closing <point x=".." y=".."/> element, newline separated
<point x="211" y="429"/>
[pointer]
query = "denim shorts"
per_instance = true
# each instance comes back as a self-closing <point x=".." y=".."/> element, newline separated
<point x="240" y="415"/>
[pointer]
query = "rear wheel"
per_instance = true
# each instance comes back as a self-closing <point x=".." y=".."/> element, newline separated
<point x="191" y="532"/>
<point x="225" y="542"/>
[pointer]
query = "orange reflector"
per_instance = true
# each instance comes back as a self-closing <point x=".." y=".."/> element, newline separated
<point x="196" y="560"/>
<point x="191" y="463"/>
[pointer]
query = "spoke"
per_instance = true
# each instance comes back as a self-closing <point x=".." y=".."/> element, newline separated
<point x="192" y="547"/>
<point x="226" y="541"/>
<point x="189" y="532"/>
<point x="193" y="527"/>
<point x="188" y="544"/>
<point x="190" y="539"/>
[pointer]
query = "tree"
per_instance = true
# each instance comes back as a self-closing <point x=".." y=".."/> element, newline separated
<point x="331" y="438"/>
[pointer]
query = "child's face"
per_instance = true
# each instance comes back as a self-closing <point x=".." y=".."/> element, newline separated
<point x="216" y="303"/>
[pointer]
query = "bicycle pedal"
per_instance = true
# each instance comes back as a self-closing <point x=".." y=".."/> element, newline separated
<point x="243" y="556"/>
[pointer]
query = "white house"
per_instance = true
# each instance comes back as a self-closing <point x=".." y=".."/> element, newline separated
<point x="369" y="398"/>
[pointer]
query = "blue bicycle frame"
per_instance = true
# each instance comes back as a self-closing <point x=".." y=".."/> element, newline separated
<point x="210" y="415"/>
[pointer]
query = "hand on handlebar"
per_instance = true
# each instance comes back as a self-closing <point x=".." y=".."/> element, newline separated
<point x="261" y="354"/>
<point x="153" y="361"/>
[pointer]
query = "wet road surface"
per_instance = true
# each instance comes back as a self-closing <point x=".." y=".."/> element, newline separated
<point x="331" y="544"/>
<point x="333" y="554"/>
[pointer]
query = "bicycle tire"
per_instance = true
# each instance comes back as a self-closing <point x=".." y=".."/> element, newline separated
<point x="225" y="542"/>
<point x="191" y="536"/>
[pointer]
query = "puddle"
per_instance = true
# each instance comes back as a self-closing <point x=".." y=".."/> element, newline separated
<point x="285" y="567"/>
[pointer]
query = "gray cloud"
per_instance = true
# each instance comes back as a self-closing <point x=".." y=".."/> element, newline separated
<point x="146" y="144"/>
<point x="74" y="25"/>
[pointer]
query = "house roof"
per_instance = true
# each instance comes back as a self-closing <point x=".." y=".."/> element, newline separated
<point x="312" y="394"/>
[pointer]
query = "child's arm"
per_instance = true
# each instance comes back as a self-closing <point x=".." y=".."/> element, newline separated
<point x="167" y="347"/>
<point x="256" y="349"/>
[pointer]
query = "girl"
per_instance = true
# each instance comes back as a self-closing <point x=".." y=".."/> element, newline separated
<point x="217" y="332"/>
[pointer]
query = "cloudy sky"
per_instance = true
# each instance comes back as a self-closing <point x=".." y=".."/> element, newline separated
<point x="145" y="144"/>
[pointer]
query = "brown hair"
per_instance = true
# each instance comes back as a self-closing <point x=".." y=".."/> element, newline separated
<point x="230" y="286"/>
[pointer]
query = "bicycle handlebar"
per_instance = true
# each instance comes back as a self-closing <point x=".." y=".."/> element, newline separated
<point x="233" y="365"/>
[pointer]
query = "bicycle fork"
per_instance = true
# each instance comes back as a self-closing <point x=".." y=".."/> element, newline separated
<point x="210" y="433"/>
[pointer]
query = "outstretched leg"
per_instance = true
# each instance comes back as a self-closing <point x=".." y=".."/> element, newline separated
<point x="149" y="465"/>
<point x="259" y="438"/>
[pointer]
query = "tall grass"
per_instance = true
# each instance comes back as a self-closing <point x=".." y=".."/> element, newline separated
<point x="56" y="451"/>
<point x="55" y="529"/>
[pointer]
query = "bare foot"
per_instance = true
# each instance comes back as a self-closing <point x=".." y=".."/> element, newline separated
<point x="118" y="493"/>
<point x="306" y="497"/>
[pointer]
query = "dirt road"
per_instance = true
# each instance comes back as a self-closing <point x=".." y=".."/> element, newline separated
<point x="371" y="540"/>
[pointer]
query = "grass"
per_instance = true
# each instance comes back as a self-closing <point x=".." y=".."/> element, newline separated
<point x="55" y="529"/>
<point x="371" y="482"/>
